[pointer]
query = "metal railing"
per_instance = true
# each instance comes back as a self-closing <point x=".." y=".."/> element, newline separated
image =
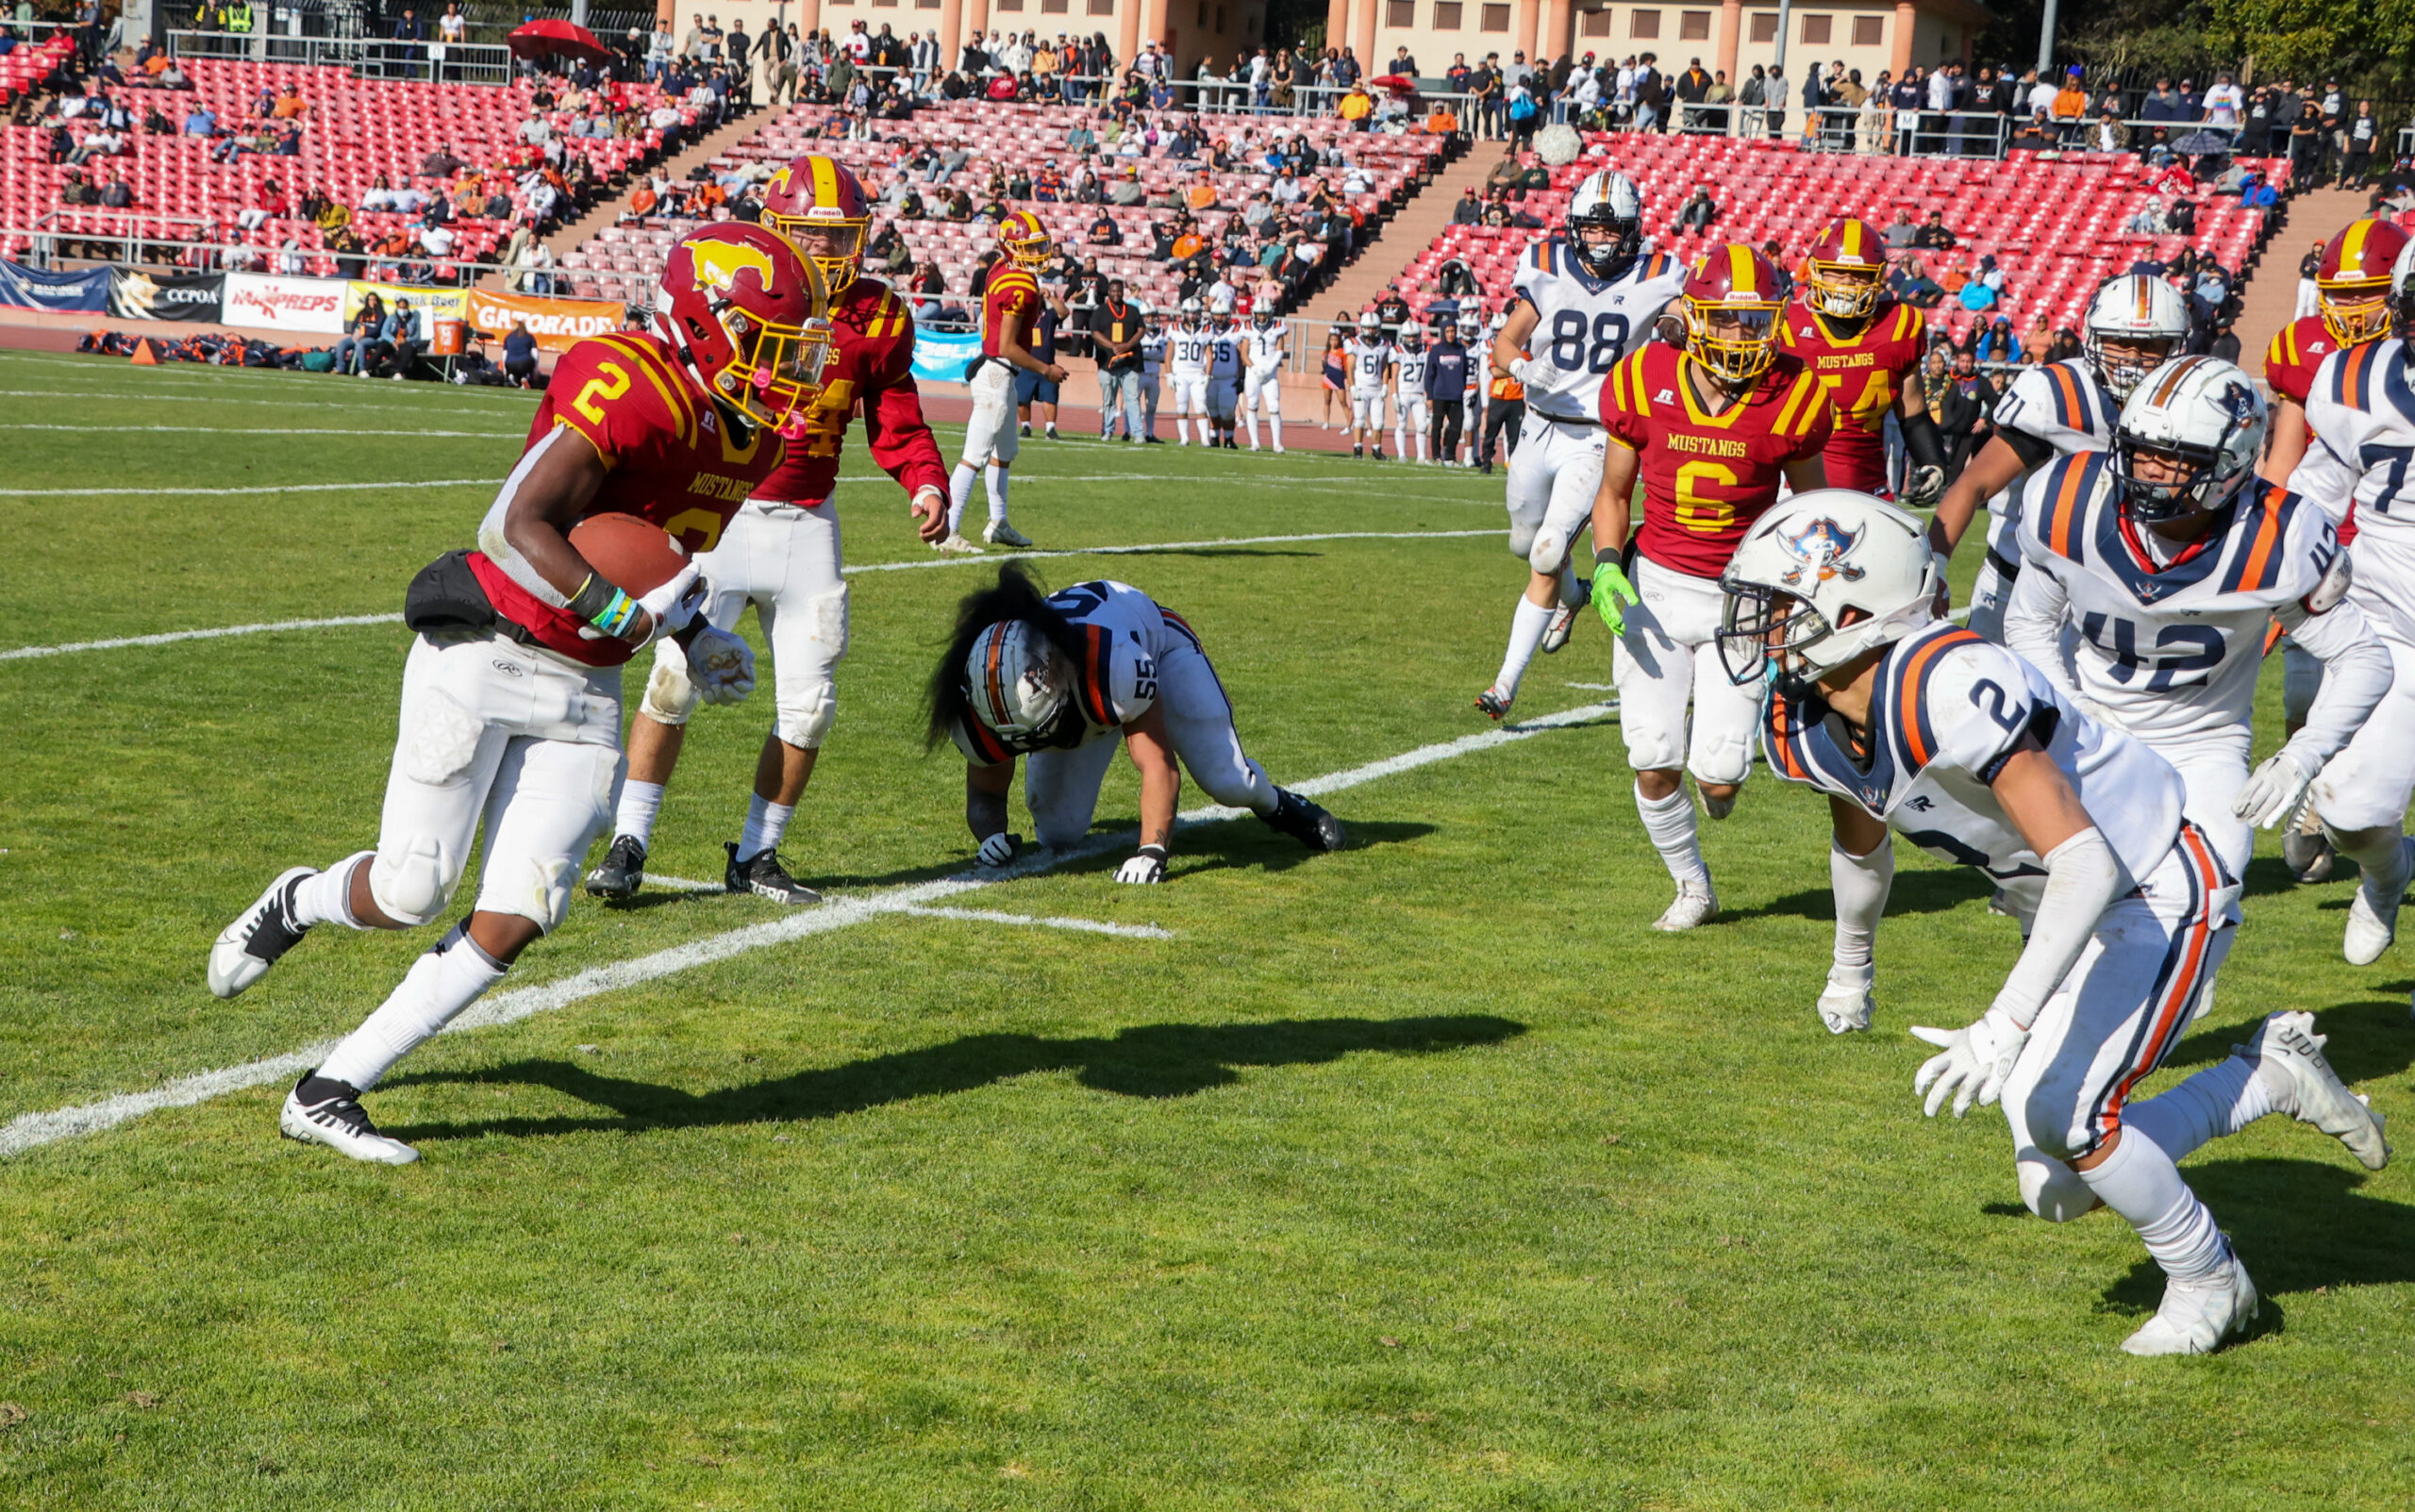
<point x="366" y="57"/>
<point x="46" y="239"/>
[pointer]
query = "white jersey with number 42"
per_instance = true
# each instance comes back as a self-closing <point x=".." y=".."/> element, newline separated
<point x="1586" y="323"/>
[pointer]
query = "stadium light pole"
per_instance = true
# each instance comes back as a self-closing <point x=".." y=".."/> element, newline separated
<point x="2046" y="42"/>
<point x="1784" y="14"/>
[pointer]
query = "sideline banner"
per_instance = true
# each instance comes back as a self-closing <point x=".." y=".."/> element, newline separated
<point x="557" y="323"/>
<point x="313" y="306"/>
<point x="432" y="304"/>
<point x="939" y="356"/>
<point x="145" y="297"/>
<point x="27" y="288"/>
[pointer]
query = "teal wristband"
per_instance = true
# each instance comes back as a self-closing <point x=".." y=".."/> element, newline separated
<point x="616" y="616"/>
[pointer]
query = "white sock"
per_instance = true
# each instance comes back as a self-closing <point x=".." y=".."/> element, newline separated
<point x="326" y="899"/>
<point x="641" y="802"/>
<point x="1182" y="430"/>
<point x="2218" y="1100"/>
<point x="2139" y="1182"/>
<point x="1249" y="422"/>
<point x="997" y="481"/>
<point x="1859" y="885"/>
<point x="1669" y="822"/>
<point x="1569" y="588"/>
<point x="1275" y="429"/>
<point x="1424" y="447"/>
<point x="438" y="985"/>
<point x="1527" y="629"/>
<point x="1400" y="441"/>
<point x="766" y="822"/>
<point x="959" y="494"/>
<point x="2383" y="856"/>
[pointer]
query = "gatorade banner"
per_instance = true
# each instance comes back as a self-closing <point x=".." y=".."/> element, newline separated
<point x="25" y="288"/>
<point x="146" y="296"/>
<point x="557" y="323"/>
<point x="432" y="304"/>
<point x="939" y="356"/>
<point x="311" y="305"/>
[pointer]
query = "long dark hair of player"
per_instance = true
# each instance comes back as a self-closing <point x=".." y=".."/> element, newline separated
<point x="1016" y="595"/>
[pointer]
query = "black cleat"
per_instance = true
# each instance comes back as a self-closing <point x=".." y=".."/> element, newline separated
<point x="1305" y="823"/>
<point x="763" y="876"/>
<point x="623" y="871"/>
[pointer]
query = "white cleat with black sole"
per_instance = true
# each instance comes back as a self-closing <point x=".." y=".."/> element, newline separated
<point x="2287" y="1040"/>
<point x="320" y="1111"/>
<point x="1563" y="619"/>
<point x="2195" y="1319"/>
<point x="1693" y="907"/>
<point x="259" y="937"/>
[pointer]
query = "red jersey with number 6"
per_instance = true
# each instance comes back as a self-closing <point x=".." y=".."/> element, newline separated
<point x="871" y="368"/>
<point x="673" y="460"/>
<point x="1864" y="373"/>
<point x="1707" y="477"/>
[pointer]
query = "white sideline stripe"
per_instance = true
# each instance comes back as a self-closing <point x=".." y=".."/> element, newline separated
<point x="29" y="1131"/>
<point x="167" y="638"/>
<point x="283" y="430"/>
<point x="1087" y="926"/>
<point x="369" y="400"/>
<point x="179" y="491"/>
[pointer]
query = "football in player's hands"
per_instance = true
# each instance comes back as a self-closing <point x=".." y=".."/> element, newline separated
<point x="998" y="850"/>
<point x="635" y="556"/>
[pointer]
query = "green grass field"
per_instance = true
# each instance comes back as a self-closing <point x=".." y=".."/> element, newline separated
<point x="1420" y="1175"/>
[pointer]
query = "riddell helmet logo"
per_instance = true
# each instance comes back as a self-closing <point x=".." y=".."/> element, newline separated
<point x="1821" y="548"/>
<point x="719" y="263"/>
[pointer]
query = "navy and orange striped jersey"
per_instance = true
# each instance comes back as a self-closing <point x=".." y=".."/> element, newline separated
<point x="1010" y="303"/>
<point x="1948" y="710"/>
<point x="871" y="372"/>
<point x="1124" y="635"/>
<point x="674" y="458"/>
<point x="1865" y="367"/>
<point x="1707" y="476"/>
<point x="2167" y="637"/>
<point x="2362" y="410"/>
<point x="1584" y="324"/>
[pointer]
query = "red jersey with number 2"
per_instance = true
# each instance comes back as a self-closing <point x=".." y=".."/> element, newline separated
<point x="1864" y="374"/>
<point x="871" y="368"/>
<point x="1707" y="477"/>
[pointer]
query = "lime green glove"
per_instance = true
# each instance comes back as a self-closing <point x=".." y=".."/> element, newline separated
<point x="1613" y="593"/>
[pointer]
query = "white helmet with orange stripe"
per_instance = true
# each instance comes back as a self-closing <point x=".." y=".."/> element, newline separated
<point x="2134" y="322"/>
<point x="2188" y="440"/>
<point x="1018" y="684"/>
<point x="1820" y="579"/>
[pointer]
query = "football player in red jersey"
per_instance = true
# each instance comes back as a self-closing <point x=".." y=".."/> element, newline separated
<point x="511" y="695"/>
<point x="1866" y="349"/>
<point x="1009" y="316"/>
<point x="781" y="552"/>
<point x="1712" y="428"/>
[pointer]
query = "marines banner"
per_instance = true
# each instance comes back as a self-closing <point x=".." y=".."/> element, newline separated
<point x="25" y="288"/>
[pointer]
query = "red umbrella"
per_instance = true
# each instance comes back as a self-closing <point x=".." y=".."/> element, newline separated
<point x="1394" y="81"/>
<point x="554" y="36"/>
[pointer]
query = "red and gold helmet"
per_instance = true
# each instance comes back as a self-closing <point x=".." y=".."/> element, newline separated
<point x="1845" y="269"/>
<point x="817" y="200"/>
<point x="749" y="314"/>
<point x="1025" y="240"/>
<point x="2352" y="288"/>
<point x="1731" y="301"/>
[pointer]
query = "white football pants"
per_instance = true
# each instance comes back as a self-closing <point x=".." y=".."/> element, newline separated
<point x="990" y="435"/>
<point x="1410" y="416"/>
<point x="1262" y="393"/>
<point x="784" y="560"/>
<point x="524" y="740"/>
<point x="1189" y="394"/>
<point x="2367" y="785"/>
<point x="1668" y="658"/>
<point x="1554" y="474"/>
<point x="1366" y="409"/>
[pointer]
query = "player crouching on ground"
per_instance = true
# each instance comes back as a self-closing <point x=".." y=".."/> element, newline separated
<point x="1055" y="679"/>
<point x="1917" y="725"/>
<point x="512" y="696"/>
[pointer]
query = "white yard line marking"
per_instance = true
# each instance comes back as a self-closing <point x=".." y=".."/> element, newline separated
<point x="317" y="430"/>
<point x="369" y="400"/>
<point x="30" y="1131"/>
<point x="1087" y="926"/>
<point x="179" y="491"/>
<point x="167" y="638"/>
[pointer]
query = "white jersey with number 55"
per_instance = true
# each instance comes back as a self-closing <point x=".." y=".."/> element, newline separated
<point x="1585" y="323"/>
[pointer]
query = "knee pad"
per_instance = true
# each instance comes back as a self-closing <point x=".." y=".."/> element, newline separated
<point x="830" y="621"/>
<point x="1547" y="551"/>
<point x="538" y="891"/>
<point x="2052" y="1189"/>
<point x="1521" y="537"/>
<point x="413" y="888"/>
<point x="443" y="740"/>
<point x="807" y="723"/>
<point x="669" y="697"/>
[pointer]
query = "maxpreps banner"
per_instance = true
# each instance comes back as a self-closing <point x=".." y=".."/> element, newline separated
<point x="312" y="306"/>
<point x="432" y="304"/>
<point x="557" y="323"/>
<point x="939" y="356"/>
<point x="31" y="289"/>
<point x="144" y="296"/>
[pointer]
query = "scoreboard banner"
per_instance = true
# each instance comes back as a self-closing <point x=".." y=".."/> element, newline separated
<point x="150" y="296"/>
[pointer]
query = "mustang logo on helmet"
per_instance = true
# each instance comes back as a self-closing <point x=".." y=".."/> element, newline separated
<point x="1821" y="548"/>
<point x="719" y="263"/>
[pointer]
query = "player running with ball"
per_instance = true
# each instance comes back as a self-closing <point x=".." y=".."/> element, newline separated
<point x="781" y="551"/>
<point x="511" y="695"/>
<point x="1972" y="754"/>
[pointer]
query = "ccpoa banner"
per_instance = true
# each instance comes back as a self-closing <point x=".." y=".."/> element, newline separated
<point x="144" y="296"/>
<point x="939" y="356"/>
<point x="313" y="305"/>
<point x="557" y="323"/>
<point x="432" y="304"/>
<point x="32" y="289"/>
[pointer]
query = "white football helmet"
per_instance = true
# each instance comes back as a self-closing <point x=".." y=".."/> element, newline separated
<point x="1018" y="684"/>
<point x="1607" y="206"/>
<point x="1371" y="325"/>
<point x="1822" y="578"/>
<point x="2205" y="414"/>
<point x="1191" y="311"/>
<point x="2143" y="313"/>
<point x="2402" y="285"/>
<point x="1412" y="335"/>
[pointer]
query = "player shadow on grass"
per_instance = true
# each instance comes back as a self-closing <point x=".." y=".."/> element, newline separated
<point x="2300" y="1226"/>
<point x="2370" y="1039"/>
<point x="1938" y="890"/>
<point x="1160" y="1060"/>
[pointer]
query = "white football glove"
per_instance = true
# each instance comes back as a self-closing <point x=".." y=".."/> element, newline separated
<point x="1976" y="1061"/>
<point x="1847" y="1004"/>
<point x="720" y="665"/>
<point x="1518" y="367"/>
<point x="674" y="602"/>
<point x="997" y="849"/>
<point x="1925" y="486"/>
<point x="2275" y="790"/>
<point x="1147" y="867"/>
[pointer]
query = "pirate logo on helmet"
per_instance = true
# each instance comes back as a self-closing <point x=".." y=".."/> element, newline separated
<point x="1820" y="549"/>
